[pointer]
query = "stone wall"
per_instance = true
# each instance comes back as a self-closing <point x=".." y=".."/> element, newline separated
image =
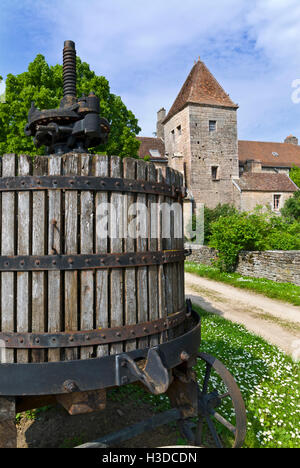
<point x="249" y="200"/>
<point x="279" y="265"/>
<point x="201" y="254"/>
<point x="189" y="142"/>
<point x="217" y="149"/>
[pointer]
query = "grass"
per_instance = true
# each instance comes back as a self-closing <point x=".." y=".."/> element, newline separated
<point x="32" y="414"/>
<point x="286" y="292"/>
<point x="268" y="380"/>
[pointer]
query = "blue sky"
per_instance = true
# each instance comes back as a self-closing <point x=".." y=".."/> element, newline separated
<point x="146" y="50"/>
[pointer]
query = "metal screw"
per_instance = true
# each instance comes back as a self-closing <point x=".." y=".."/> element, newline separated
<point x="184" y="356"/>
<point x="70" y="386"/>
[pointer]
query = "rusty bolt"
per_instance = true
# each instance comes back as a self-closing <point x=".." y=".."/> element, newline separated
<point x="184" y="356"/>
<point x="70" y="386"/>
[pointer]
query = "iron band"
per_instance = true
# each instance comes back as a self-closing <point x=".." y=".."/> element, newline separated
<point x="92" y="337"/>
<point x="90" y="262"/>
<point x="89" y="183"/>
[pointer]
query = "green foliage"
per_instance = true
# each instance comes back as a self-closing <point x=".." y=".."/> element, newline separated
<point x="212" y="215"/>
<point x="291" y="209"/>
<point x="283" y="235"/>
<point x="147" y="158"/>
<point x="43" y="84"/>
<point x="258" y="230"/>
<point x="295" y="175"/>
<point x="236" y="232"/>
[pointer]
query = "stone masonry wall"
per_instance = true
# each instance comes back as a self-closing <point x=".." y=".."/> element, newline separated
<point x="188" y="140"/>
<point x="201" y="254"/>
<point x="279" y="265"/>
<point x="218" y="148"/>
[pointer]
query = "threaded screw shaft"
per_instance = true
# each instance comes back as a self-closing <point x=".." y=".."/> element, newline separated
<point x="69" y="69"/>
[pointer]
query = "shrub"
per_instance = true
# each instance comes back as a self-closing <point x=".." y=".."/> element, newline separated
<point x="295" y="175"/>
<point x="239" y="231"/>
<point x="212" y="215"/>
<point x="291" y="209"/>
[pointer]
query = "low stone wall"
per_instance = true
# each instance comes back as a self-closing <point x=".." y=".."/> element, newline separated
<point x="201" y="254"/>
<point x="278" y="265"/>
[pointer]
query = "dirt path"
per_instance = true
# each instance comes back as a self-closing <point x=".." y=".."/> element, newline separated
<point x="275" y="321"/>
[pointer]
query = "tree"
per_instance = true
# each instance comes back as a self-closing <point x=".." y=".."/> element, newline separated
<point x="236" y="232"/>
<point x="291" y="209"/>
<point x="43" y="84"/>
<point x="295" y="175"/>
<point x="212" y="215"/>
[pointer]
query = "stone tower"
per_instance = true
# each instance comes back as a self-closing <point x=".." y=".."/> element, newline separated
<point x="200" y="133"/>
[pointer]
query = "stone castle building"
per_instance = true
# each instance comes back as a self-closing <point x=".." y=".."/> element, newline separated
<point x="199" y="137"/>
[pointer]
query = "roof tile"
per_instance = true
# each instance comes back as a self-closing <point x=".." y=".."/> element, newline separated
<point x="148" y="143"/>
<point x="264" y="182"/>
<point x="288" y="154"/>
<point x="200" y="87"/>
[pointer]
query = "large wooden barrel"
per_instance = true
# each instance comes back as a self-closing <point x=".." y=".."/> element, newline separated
<point x="65" y="286"/>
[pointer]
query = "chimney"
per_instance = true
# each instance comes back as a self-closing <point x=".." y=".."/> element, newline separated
<point x="253" y="166"/>
<point x="292" y="140"/>
<point x="161" y="114"/>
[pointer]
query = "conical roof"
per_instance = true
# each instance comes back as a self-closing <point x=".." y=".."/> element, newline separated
<point x="200" y="87"/>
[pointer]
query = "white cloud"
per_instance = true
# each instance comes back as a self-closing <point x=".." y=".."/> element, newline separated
<point x="146" y="50"/>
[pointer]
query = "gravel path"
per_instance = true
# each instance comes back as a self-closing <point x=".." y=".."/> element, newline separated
<point x="275" y="321"/>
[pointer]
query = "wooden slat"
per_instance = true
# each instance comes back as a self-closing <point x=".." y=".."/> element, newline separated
<point x="130" y="273"/>
<point x="54" y="277"/>
<point x="116" y="276"/>
<point x="168" y="246"/>
<point x="178" y="278"/>
<point x="152" y="270"/>
<point x="180" y="246"/>
<point x="161" y="270"/>
<point x="174" y="244"/>
<point x="102" y="311"/>
<point x="142" y="280"/>
<point x="23" y="297"/>
<point x="38" y="248"/>
<point x="86" y="247"/>
<point x="71" y="164"/>
<point x="8" y="222"/>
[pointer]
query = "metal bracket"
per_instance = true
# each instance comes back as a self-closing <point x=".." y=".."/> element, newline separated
<point x="154" y="374"/>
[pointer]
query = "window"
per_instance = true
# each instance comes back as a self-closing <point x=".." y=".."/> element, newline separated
<point x="179" y="130"/>
<point x="276" y="202"/>
<point x="173" y="135"/>
<point x="215" y="173"/>
<point x="155" y="153"/>
<point x="212" y="125"/>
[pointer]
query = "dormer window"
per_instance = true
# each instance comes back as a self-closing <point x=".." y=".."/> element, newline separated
<point x="212" y="126"/>
<point x="155" y="153"/>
